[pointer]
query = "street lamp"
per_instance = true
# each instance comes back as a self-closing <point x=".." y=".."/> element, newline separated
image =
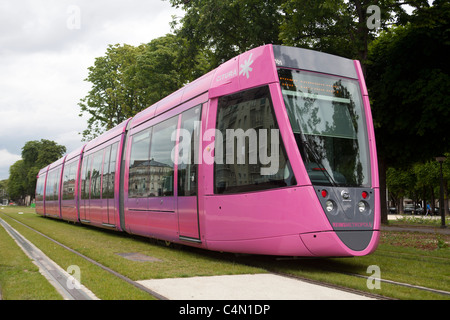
<point x="441" y="197"/>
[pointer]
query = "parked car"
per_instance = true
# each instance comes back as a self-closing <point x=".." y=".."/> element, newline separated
<point x="408" y="209"/>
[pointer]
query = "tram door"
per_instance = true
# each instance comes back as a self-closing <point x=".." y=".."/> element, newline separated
<point x="97" y="190"/>
<point x="109" y="170"/>
<point x="85" y="188"/>
<point x="188" y="152"/>
<point x="95" y="201"/>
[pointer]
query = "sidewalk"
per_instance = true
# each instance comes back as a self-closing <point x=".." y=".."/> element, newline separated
<point x="246" y="287"/>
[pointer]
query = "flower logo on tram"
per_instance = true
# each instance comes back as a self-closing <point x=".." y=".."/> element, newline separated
<point x="245" y="68"/>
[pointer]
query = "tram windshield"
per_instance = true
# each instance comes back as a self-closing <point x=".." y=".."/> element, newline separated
<point x="327" y="118"/>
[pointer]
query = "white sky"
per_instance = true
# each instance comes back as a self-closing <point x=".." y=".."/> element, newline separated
<point x="46" y="47"/>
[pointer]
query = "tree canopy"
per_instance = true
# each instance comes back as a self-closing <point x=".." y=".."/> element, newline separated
<point x="419" y="182"/>
<point x="129" y="79"/>
<point x="409" y="85"/>
<point x="227" y="28"/>
<point x="35" y="156"/>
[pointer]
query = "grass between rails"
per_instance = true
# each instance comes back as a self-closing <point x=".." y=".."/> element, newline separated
<point x="401" y="257"/>
<point x="103" y="246"/>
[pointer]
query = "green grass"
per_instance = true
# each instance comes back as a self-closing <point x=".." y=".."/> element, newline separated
<point x="18" y="274"/>
<point x="416" y="258"/>
<point x="409" y="257"/>
<point x="103" y="246"/>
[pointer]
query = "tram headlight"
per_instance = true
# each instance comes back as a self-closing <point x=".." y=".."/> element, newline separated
<point x="329" y="205"/>
<point x="363" y="207"/>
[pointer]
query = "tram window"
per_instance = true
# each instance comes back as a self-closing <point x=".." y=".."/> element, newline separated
<point x="109" y="170"/>
<point x="50" y="185"/>
<point x="86" y="177"/>
<point x="161" y="165"/>
<point x="187" y="167"/>
<point x="51" y="191"/>
<point x="47" y="187"/>
<point x="40" y="188"/>
<point x="327" y="118"/>
<point x="138" y="186"/>
<point x="72" y="179"/>
<point x="249" y="155"/>
<point x="55" y="184"/>
<point x="96" y="175"/>
<point x="105" y="172"/>
<point x="69" y="175"/>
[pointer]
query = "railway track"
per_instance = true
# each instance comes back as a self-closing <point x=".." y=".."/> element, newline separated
<point x="61" y="280"/>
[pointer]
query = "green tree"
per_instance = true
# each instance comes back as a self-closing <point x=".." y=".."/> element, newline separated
<point x="427" y="179"/>
<point x="419" y="181"/>
<point x="409" y="84"/>
<point x="161" y="69"/>
<point x="41" y="153"/>
<point x="17" y="180"/>
<point x="401" y="183"/>
<point x="224" y="29"/>
<point x="114" y="95"/>
<point x="230" y="27"/>
<point x="129" y="79"/>
<point x="35" y="156"/>
<point x="344" y="28"/>
<point x="4" y="190"/>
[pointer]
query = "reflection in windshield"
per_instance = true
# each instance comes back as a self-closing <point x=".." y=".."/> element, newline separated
<point x="327" y="119"/>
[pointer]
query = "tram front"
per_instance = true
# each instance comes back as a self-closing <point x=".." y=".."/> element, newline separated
<point x="327" y="105"/>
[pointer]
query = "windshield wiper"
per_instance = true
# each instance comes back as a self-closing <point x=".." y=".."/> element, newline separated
<point x="316" y="158"/>
<point x="309" y="150"/>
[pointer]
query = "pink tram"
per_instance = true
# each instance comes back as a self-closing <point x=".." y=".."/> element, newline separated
<point x="271" y="153"/>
